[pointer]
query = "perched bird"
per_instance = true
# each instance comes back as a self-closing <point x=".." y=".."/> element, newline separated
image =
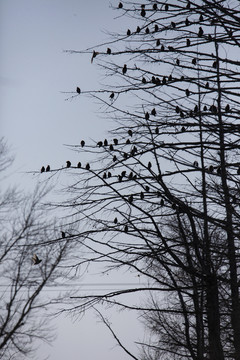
<point x="147" y="31"/>
<point x="166" y="7"/>
<point x="79" y="164"/>
<point x="130" y="199"/>
<point x="109" y="174"/>
<point x="211" y="168"/>
<point x="63" y="234"/>
<point x="143" y="12"/>
<point x="147" y="188"/>
<point x="95" y="53"/>
<point x="115" y="141"/>
<point x="128" y="141"/>
<point x="227" y="108"/>
<point x="126" y="229"/>
<point x="155" y="6"/>
<point x="87" y="166"/>
<point x="173" y="24"/>
<point x="42" y="169"/>
<point x="201" y="18"/>
<point x="111" y="147"/>
<point x="138" y="30"/>
<point x="156" y="28"/>
<point x="157" y="131"/>
<point x="153" y="112"/>
<point x="178" y="62"/>
<point x="130" y="132"/>
<point x="68" y="163"/>
<point x="120" y="5"/>
<point x="82" y="143"/>
<point x="128" y="32"/>
<point x="144" y="80"/>
<point x="188" y="42"/>
<point x="114" y="158"/>
<point x="157" y="42"/>
<point x="100" y="144"/>
<point x="115" y="220"/>
<point x="124" y="69"/>
<point x="147" y="116"/>
<point x="48" y="168"/>
<point x="162" y="202"/>
<point x="194" y="61"/>
<point x="105" y="142"/>
<point x="187" y="22"/>
<point x="162" y="48"/>
<point x="187" y="92"/>
<point x="123" y="173"/>
<point x="78" y="90"/>
<point x="200" y="32"/>
<point x="111" y="95"/>
<point x="109" y="51"/>
<point x="149" y="165"/>
<point x="238" y="171"/>
<point x="36" y="260"/>
<point x="195" y="164"/>
<point x="177" y="109"/>
<point x="183" y="129"/>
<point x="142" y="195"/>
<point x="207" y="85"/>
<point x="104" y="175"/>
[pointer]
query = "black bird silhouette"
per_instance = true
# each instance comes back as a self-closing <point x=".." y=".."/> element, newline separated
<point x="153" y="112"/>
<point x="87" y="166"/>
<point x="111" y="95"/>
<point x="147" y="30"/>
<point x="104" y="176"/>
<point x="142" y="195"/>
<point x="162" y="48"/>
<point x="149" y="165"/>
<point x="144" y="80"/>
<point x="63" y="234"/>
<point x="147" y="116"/>
<point x="157" y="42"/>
<point x="114" y="158"/>
<point x="178" y="62"/>
<point x="156" y="28"/>
<point x="82" y="143"/>
<point x="42" y="169"/>
<point x="126" y="229"/>
<point x="124" y="69"/>
<point x="155" y="7"/>
<point x="166" y="7"/>
<point x="211" y="168"/>
<point x="147" y="188"/>
<point x="143" y="13"/>
<point x="130" y="199"/>
<point x="115" y="220"/>
<point x="120" y="5"/>
<point x="238" y="171"/>
<point x="68" y="163"/>
<point x="109" y="51"/>
<point x="188" y="42"/>
<point x="194" y="61"/>
<point x="187" y="92"/>
<point x="95" y="53"/>
<point x="111" y="147"/>
<point x="115" y="141"/>
<point x="195" y="163"/>
<point x="109" y="174"/>
<point x="100" y="144"/>
<point x="129" y="32"/>
<point x="79" y="164"/>
<point x="227" y="108"/>
<point x="201" y="18"/>
<point x="138" y="29"/>
<point x="162" y="202"/>
<point x="105" y="142"/>
<point x="130" y="132"/>
<point x="186" y="22"/>
<point x="35" y="259"/>
<point x="48" y="168"/>
<point x="157" y="130"/>
<point x="78" y="90"/>
<point x="200" y="32"/>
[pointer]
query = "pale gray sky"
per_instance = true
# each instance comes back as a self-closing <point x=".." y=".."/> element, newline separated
<point x="36" y="121"/>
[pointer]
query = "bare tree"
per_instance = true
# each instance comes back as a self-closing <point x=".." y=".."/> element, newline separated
<point x="32" y="258"/>
<point x="164" y="186"/>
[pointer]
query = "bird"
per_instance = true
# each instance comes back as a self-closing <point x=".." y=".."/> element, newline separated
<point x="147" y="188"/>
<point x="82" y="143"/>
<point x="124" y="69"/>
<point x="128" y="141"/>
<point x="188" y="42"/>
<point x="79" y="164"/>
<point x="227" y="108"/>
<point x="147" y="116"/>
<point x="149" y="165"/>
<point x="156" y="28"/>
<point x="87" y="166"/>
<point x="166" y="7"/>
<point x="120" y="5"/>
<point x="63" y="234"/>
<point x="130" y="132"/>
<point x="143" y="13"/>
<point x="211" y="168"/>
<point x="109" y="174"/>
<point x="147" y="30"/>
<point x="35" y="259"/>
<point x="68" y="163"/>
<point x="115" y="141"/>
<point x="155" y="6"/>
<point x="157" y="42"/>
<point x="105" y="142"/>
<point x="153" y="112"/>
<point x="162" y="202"/>
<point x="142" y="195"/>
<point x="126" y="229"/>
<point x="194" y="61"/>
<point x="95" y="53"/>
<point x="162" y="48"/>
<point x="178" y="62"/>
<point x="173" y="24"/>
<point x="128" y="32"/>
<point x="186" y="22"/>
<point x="144" y="80"/>
<point x="48" y="168"/>
<point x="195" y="164"/>
<point x="200" y="32"/>
<point x="111" y="147"/>
<point x="114" y="158"/>
<point x="201" y="18"/>
<point x="130" y="199"/>
<point x="157" y="131"/>
<point x="115" y="220"/>
<point x="111" y="95"/>
<point x="42" y="169"/>
<point x="78" y="90"/>
<point x="138" y="30"/>
<point x="109" y="51"/>
<point x="187" y="92"/>
<point x="100" y="144"/>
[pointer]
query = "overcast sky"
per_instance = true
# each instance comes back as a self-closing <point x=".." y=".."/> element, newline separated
<point x="36" y="120"/>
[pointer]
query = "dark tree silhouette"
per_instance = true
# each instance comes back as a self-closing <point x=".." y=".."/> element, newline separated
<point x="31" y="253"/>
<point x="172" y="200"/>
